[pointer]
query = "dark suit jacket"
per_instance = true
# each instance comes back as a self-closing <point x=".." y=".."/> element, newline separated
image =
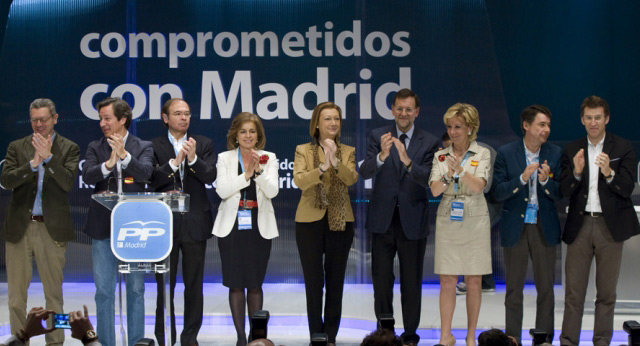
<point x="199" y="220"/>
<point x="98" y="225"/>
<point x="59" y="176"/>
<point x="394" y="185"/>
<point x="507" y="188"/>
<point x="615" y="197"/>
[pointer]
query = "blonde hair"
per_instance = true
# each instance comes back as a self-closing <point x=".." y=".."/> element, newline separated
<point x="469" y="115"/>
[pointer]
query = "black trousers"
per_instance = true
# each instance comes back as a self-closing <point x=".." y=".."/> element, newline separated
<point x="315" y="241"/>
<point x="193" y="258"/>
<point x="411" y="256"/>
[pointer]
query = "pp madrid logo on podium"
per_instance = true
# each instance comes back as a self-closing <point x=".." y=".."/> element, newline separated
<point x="141" y="231"/>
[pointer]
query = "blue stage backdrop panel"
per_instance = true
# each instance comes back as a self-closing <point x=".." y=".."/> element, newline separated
<point x="278" y="59"/>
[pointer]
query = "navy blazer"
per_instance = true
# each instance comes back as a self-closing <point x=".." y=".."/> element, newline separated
<point x="615" y="197"/>
<point x="507" y="188"/>
<point x="394" y="185"/>
<point x="98" y="225"/>
<point x="199" y="220"/>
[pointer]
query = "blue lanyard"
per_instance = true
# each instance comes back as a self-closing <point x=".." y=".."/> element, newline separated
<point x="244" y="197"/>
<point x="533" y="176"/>
<point x="456" y="176"/>
<point x="175" y="150"/>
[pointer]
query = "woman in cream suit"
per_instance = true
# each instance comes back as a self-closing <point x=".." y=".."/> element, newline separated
<point x="323" y="170"/>
<point x="247" y="181"/>
<point x="463" y="231"/>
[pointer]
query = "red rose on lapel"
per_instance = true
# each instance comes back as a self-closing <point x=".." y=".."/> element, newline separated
<point x="441" y="158"/>
<point x="264" y="159"/>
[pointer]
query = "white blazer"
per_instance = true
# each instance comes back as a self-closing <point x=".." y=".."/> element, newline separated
<point x="228" y="186"/>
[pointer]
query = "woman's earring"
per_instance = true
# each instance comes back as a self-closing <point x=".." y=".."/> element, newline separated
<point x="469" y="133"/>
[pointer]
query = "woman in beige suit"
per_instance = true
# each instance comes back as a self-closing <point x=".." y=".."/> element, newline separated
<point x="247" y="181"/>
<point x="323" y="170"/>
<point x="463" y="232"/>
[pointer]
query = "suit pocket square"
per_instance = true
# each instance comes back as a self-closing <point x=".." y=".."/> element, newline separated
<point x="616" y="159"/>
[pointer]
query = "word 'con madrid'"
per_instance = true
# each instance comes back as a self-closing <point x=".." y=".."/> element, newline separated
<point x="220" y="100"/>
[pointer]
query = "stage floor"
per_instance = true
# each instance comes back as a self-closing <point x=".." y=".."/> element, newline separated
<point x="288" y="323"/>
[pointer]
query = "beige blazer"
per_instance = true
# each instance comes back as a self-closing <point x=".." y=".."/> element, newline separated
<point x="305" y="176"/>
<point x="228" y="186"/>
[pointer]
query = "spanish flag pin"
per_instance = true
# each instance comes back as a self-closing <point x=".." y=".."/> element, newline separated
<point x="128" y="180"/>
<point x="474" y="163"/>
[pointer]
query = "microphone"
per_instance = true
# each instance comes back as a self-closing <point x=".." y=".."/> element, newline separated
<point x="171" y="175"/>
<point x="133" y="180"/>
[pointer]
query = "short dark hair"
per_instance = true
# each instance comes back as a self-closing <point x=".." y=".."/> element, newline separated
<point x="528" y="114"/>
<point x="121" y="108"/>
<point x="493" y="337"/>
<point x="594" y="101"/>
<point x="403" y="94"/>
<point x="167" y="105"/>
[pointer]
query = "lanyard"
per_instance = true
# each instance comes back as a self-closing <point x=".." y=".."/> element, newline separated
<point x="534" y="177"/>
<point x="533" y="194"/>
<point x="244" y="197"/>
<point x="173" y="143"/>
<point x="456" y="176"/>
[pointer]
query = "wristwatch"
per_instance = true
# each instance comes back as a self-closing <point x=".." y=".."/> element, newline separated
<point x="89" y="336"/>
<point x="611" y="175"/>
<point x="22" y="336"/>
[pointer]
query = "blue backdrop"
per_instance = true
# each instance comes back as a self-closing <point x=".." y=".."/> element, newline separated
<point x="279" y="58"/>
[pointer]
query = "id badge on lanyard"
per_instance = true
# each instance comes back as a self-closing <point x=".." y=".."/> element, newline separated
<point x="457" y="210"/>
<point x="244" y="219"/>
<point x="244" y="214"/>
<point x="531" y="215"/>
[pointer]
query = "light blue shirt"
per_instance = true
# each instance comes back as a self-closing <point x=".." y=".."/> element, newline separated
<point x="37" y="204"/>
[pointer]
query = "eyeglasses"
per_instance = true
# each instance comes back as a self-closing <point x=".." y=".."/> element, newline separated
<point x="180" y="114"/>
<point x="41" y="120"/>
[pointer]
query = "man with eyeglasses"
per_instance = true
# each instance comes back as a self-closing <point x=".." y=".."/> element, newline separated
<point x="598" y="178"/>
<point x="185" y="163"/>
<point x="40" y="169"/>
<point x="123" y="162"/>
<point x="399" y="159"/>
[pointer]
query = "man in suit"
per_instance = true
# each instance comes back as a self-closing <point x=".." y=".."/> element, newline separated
<point x="598" y="177"/>
<point x="123" y="162"/>
<point x="399" y="159"/>
<point x="40" y="169"/>
<point x="526" y="179"/>
<point x="184" y="163"/>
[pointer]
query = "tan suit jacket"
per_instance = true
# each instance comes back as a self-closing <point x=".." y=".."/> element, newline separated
<point x="305" y="176"/>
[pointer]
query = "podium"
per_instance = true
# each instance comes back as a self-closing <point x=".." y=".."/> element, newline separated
<point x="142" y="237"/>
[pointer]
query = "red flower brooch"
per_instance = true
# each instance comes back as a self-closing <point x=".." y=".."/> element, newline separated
<point x="264" y="159"/>
<point x="441" y="158"/>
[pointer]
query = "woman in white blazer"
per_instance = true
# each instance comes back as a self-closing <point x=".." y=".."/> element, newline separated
<point x="247" y="180"/>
